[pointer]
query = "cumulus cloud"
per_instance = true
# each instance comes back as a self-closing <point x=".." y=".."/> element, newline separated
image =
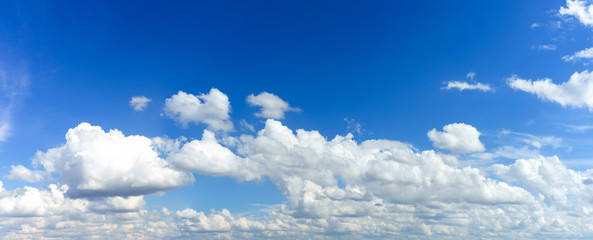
<point x="457" y="138"/>
<point x="581" y="10"/>
<point x="139" y="103"/>
<point x="211" y="109"/>
<point x="271" y="105"/>
<point x="336" y="187"/>
<point x="467" y="86"/>
<point x="583" y="54"/>
<point x="97" y="163"/>
<point x="576" y="92"/>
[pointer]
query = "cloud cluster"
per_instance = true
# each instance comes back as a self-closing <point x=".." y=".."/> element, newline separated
<point x="369" y="189"/>
<point x="576" y="92"/>
<point x="271" y="105"/>
<point x="211" y="109"/>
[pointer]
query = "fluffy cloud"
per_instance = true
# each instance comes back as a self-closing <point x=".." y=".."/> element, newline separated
<point x="458" y="138"/>
<point x="20" y="172"/>
<point x="467" y="86"/>
<point x="211" y="109"/>
<point x="308" y="169"/>
<point x="271" y="105"/>
<point x="579" y="9"/>
<point x="576" y="92"/>
<point x="139" y="103"/>
<point x="97" y="163"/>
<point x="337" y="187"/>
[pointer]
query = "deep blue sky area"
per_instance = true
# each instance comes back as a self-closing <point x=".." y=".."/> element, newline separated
<point x="383" y="66"/>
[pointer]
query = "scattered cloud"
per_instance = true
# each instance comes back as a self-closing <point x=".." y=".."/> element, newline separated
<point x="534" y="25"/>
<point x="470" y="75"/>
<point x="211" y="109"/>
<point x="353" y="126"/>
<point x="467" y="86"/>
<point x="139" y="103"/>
<point x="583" y="54"/>
<point x="576" y="92"/>
<point x="579" y="128"/>
<point x="458" y="138"/>
<point x="547" y="47"/>
<point x="271" y="105"/>
<point x="581" y="10"/>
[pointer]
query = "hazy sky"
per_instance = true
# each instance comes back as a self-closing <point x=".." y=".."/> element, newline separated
<point x="296" y="119"/>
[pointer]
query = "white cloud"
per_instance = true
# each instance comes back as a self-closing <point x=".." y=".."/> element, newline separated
<point x="458" y="138"/>
<point x="339" y="187"/>
<point x="579" y="128"/>
<point x="467" y="86"/>
<point x="576" y="92"/>
<point x="547" y="47"/>
<point x="580" y="10"/>
<point x="22" y="173"/>
<point x="98" y="163"/>
<point x="271" y="105"/>
<point x="207" y="156"/>
<point x="583" y="54"/>
<point x="139" y="103"/>
<point x="212" y="109"/>
<point x="534" y="25"/>
<point x="32" y="202"/>
<point x="470" y="75"/>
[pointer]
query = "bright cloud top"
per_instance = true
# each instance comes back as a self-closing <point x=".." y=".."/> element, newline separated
<point x="576" y="92"/>
<point x="98" y="163"/>
<point x="580" y="10"/>
<point x="457" y="138"/>
<point x="271" y="105"/>
<point x="211" y="109"/>
<point x="339" y="186"/>
<point x="139" y="103"/>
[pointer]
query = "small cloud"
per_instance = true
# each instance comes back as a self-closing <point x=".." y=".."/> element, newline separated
<point x="211" y="109"/>
<point x="353" y="126"/>
<point x="139" y="103"/>
<point x="271" y="105"/>
<point x="458" y="138"/>
<point x="470" y="75"/>
<point x="547" y="47"/>
<point x="467" y="86"/>
<point x="534" y="25"/>
<point x="583" y="54"/>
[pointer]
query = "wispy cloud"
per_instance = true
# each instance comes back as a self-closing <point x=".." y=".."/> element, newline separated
<point x="472" y="85"/>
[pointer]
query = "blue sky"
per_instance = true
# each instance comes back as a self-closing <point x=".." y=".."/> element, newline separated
<point x="290" y="120"/>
